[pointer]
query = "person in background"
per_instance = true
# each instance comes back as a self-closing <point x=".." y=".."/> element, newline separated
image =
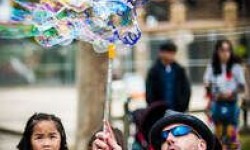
<point x="167" y="81"/>
<point x="43" y="131"/>
<point x="144" y="120"/>
<point x="224" y="80"/>
<point x="179" y="131"/>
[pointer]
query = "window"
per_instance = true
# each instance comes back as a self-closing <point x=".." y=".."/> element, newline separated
<point x="203" y="9"/>
<point x="158" y="9"/>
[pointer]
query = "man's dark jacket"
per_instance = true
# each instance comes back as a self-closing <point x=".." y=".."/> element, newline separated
<point x="155" y="86"/>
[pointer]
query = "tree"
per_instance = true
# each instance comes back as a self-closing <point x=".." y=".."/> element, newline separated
<point x="91" y="80"/>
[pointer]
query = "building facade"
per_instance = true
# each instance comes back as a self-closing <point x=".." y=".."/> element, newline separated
<point x="194" y="26"/>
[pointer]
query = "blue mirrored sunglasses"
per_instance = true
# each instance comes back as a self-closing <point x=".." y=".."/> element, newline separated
<point x="178" y="131"/>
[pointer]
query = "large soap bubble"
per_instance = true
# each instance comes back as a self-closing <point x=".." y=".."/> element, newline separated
<point x="99" y="22"/>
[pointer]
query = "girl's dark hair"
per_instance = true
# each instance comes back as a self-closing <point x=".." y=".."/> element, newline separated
<point x="25" y="142"/>
<point x="216" y="64"/>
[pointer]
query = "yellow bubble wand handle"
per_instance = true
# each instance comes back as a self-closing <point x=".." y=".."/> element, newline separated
<point x="111" y="56"/>
<point x="111" y="51"/>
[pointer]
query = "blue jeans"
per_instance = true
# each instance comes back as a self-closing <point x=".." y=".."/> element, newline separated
<point x="225" y="113"/>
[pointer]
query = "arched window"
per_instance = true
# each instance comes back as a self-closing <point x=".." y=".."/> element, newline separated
<point x="244" y="8"/>
<point x="158" y="9"/>
<point x="203" y="9"/>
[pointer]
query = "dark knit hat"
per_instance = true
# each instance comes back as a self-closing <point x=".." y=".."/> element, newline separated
<point x="168" y="47"/>
<point x="172" y="117"/>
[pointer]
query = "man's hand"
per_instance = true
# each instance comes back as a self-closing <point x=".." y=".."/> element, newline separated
<point x="105" y="140"/>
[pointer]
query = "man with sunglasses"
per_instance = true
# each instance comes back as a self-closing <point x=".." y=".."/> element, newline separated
<point x="179" y="131"/>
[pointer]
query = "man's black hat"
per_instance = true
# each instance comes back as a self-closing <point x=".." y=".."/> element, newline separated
<point x="172" y="117"/>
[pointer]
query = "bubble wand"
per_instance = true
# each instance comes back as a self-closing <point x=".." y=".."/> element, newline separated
<point x="106" y="111"/>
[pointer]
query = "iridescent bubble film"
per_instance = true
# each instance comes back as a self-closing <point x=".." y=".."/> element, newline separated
<point x="99" y="22"/>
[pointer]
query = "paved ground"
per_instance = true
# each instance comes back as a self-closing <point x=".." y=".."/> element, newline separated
<point x="17" y="104"/>
<point x="8" y="142"/>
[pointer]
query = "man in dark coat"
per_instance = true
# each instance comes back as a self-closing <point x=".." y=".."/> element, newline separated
<point x="167" y="81"/>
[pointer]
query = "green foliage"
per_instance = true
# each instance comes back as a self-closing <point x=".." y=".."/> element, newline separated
<point x="245" y="141"/>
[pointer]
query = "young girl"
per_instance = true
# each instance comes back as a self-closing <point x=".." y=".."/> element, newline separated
<point x="43" y="131"/>
<point x="224" y="80"/>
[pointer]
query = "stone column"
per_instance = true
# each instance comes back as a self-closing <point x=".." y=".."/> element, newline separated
<point x="182" y="39"/>
<point x="142" y="56"/>
<point x="177" y="12"/>
<point x="141" y="16"/>
<point x="230" y="13"/>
